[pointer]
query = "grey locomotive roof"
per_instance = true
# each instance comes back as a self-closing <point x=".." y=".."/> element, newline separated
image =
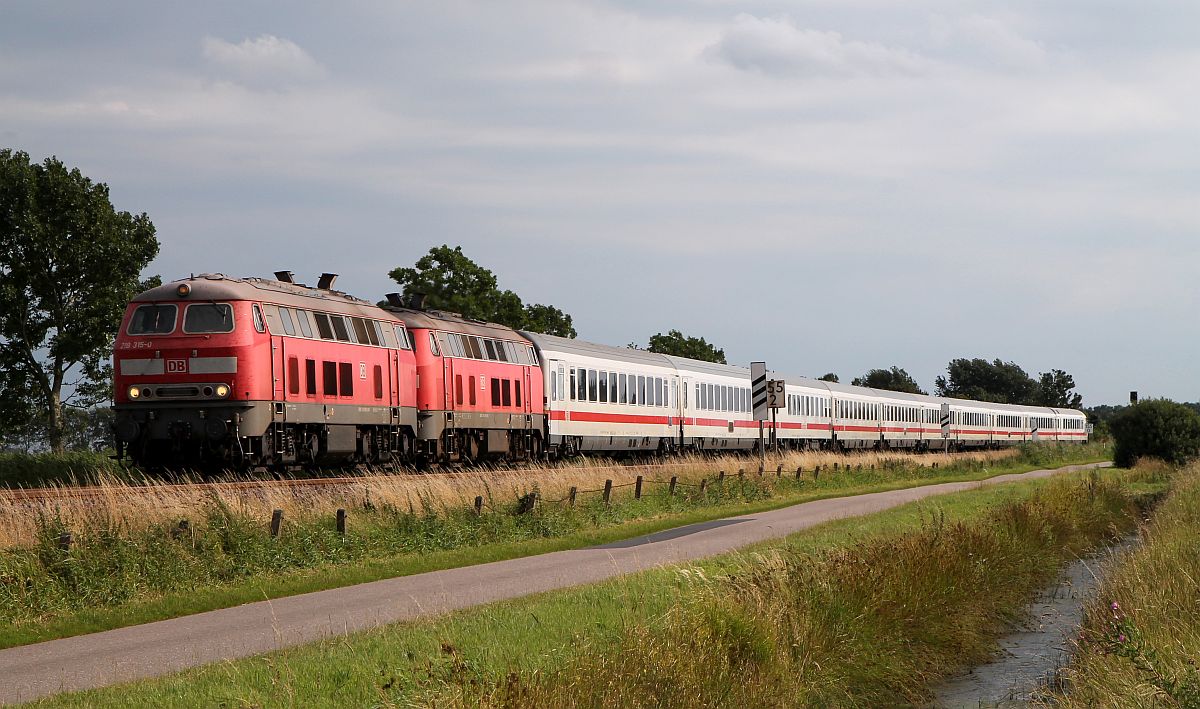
<point x="452" y="322"/>
<point x="217" y="286"/>
<point x="591" y="349"/>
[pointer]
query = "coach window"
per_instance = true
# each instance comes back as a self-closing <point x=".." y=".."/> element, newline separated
<point x="310" y="377"/>
<point x="285" y="318"/>
<point x="591" y="384"/>
<point x="612" y="387"/>
<point x="329" y="383"/>
<point x="293" y="375"/>
<point x="572" y="389"/>
<point x="604" y="387"/>
<point x="203" y="318"/>
<point x="495" y="391"/>
<point x="622" y="392"/>
<point x="641" y="390"/>
<point x="582" y="385"/>
<point x="345" y="379"/>
<point x="378" y="382"/>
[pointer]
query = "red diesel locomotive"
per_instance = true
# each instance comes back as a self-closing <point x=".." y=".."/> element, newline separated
<point x="217" y="371"/>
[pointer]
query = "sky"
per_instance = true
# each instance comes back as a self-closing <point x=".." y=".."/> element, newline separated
<point x="834" y="185"/>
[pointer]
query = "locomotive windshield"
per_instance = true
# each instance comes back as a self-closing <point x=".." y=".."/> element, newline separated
<point x="202" y="318"/>
<point x="152" y="320"/>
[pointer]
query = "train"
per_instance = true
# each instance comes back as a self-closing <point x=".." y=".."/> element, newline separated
<point x="213" y="371"/>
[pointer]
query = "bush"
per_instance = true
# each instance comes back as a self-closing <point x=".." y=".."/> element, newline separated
<point x="1156" y="428"/>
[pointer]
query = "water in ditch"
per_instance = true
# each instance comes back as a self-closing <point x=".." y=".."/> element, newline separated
<point x="1032" y="656"/>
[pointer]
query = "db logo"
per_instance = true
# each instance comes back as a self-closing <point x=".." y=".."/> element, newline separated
<point x="177" y="366"/>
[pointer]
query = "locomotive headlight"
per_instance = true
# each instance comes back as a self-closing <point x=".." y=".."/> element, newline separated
<point x="134" y="392"/>
<point x="222" y="391"/>
<point x="182" y="290"/>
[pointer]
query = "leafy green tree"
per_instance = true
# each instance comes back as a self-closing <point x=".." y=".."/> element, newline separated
<point x="1155" y="428"/>
<point x="980" y="380"/>
<point x="69" y="263"/>
<point x="549" y="320"/>
<point x="451" y="281"/>
<point x="1055" y="389"/>
<point x="894" y="379"/>
<point x="828" y="377"/>
<point x="677" y="344"/>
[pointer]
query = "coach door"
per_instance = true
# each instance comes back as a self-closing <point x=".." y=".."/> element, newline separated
<point x="682" y="408"/>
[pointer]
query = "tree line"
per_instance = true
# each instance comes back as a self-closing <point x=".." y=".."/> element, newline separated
<point x="70" y="262"/>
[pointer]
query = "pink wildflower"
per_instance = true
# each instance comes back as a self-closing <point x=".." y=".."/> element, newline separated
<point x="1116" y="607"/>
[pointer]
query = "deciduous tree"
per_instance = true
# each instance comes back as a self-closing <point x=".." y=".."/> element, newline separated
<point x="677" y="344"/>
<point x="69" y="263"/>
<point x="894" y="379"/>
<point x="828" y="377"/>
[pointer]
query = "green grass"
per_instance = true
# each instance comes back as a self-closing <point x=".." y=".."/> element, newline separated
<point x="546" y="650"/>
<point x="118" y="576"/>
<point x="71" y="468"/>
<point x="1143" y="652"/>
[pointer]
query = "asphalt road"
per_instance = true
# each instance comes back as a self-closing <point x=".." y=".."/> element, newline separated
<point x="153" y="649"/>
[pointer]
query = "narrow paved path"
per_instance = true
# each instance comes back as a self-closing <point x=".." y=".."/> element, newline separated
<point x="159" y="648"/>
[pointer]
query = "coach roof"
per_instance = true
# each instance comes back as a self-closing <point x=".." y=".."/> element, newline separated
<point x="591" y="349"/>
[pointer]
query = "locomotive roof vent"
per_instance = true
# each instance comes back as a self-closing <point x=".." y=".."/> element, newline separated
<point x="395" y="299"/>
<point x="416" y="301"/>
<point x="326" y="281"/>
<point x="284" y="277"/>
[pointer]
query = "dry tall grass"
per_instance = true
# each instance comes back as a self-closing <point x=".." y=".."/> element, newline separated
<point x="119" y="504"/>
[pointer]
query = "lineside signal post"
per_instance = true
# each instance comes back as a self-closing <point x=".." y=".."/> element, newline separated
<point x="768" y="396"/>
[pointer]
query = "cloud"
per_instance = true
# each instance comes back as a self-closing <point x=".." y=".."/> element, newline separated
<point x="777" y="47"/>
<point x="264" y="58"/>
<point x="986" y="40"/>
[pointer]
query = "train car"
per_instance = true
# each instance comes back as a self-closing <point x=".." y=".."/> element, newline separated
<point x="608" y="399"/>
<point x="219" y="371"/>
<point x="806" y="421"/>
<point x="479" y="388"/>
<point x="910" y="421"/>
<point x="717" y="410"/>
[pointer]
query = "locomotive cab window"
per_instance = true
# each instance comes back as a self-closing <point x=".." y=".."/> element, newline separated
<point x="153" y="320"/>
<point x="324" y="329"/>
<point x="205" y="318"/>
<point x="260" y="323"/>
<point x="339" y="328"/>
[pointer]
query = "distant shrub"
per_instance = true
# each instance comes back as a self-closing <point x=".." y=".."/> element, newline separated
<point x="70" y="468"/>
<point x="1156" y="428"/>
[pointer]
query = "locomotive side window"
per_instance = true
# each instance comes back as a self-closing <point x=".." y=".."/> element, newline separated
<point x="360" y="331"/>
<point x="285" y="319"/>
<point x="495" y="391"/>
<point x="324" y="329"/>
<point x="302" y="321"/>
<point x="310" y="377"/>
<point x="346" y="379"/>
<point x="340" y="331"/>
<point x="458" y="389"/>
<point x="293" y="374"/>
<point x="259" y="323"/>
<point x="329" y="383"/>
<point x="506" y="391"/>
<point x="517" y="393"/>
<point x="202" y="318"/>
<point x="490" y="346"/>
<point x="378" y="382"/>
<point x="153" y="320"/>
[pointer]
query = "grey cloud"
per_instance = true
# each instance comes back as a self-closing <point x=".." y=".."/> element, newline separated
<point x="778" y="47"/>
<point x="265" y="58"/>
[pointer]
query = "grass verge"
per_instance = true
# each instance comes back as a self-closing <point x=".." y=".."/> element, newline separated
<point x="1140" y="642"/>
<point x="119" y="574"/>
<point x="858" y="611"/>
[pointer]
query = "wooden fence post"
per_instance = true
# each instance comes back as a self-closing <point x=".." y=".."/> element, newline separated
<point x="341" y="521"/>
<point x="779" y="471"/>
<point x="184" y="527"/>
<point x="478" y="505"/>
<point x="816" y="473"/>
<point x="64" y="541"/>
<point x="276" y="522"/>
<point x="798" y="471"/>
<point x="571" y="496"/>
<point x="607" y="492"/>
<point x="741" y="475"/>
<point x="721" y="477"/>
<point x="703" y="485"/>
<point x="671" y="489"/>
<point x="637" y="488"/>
